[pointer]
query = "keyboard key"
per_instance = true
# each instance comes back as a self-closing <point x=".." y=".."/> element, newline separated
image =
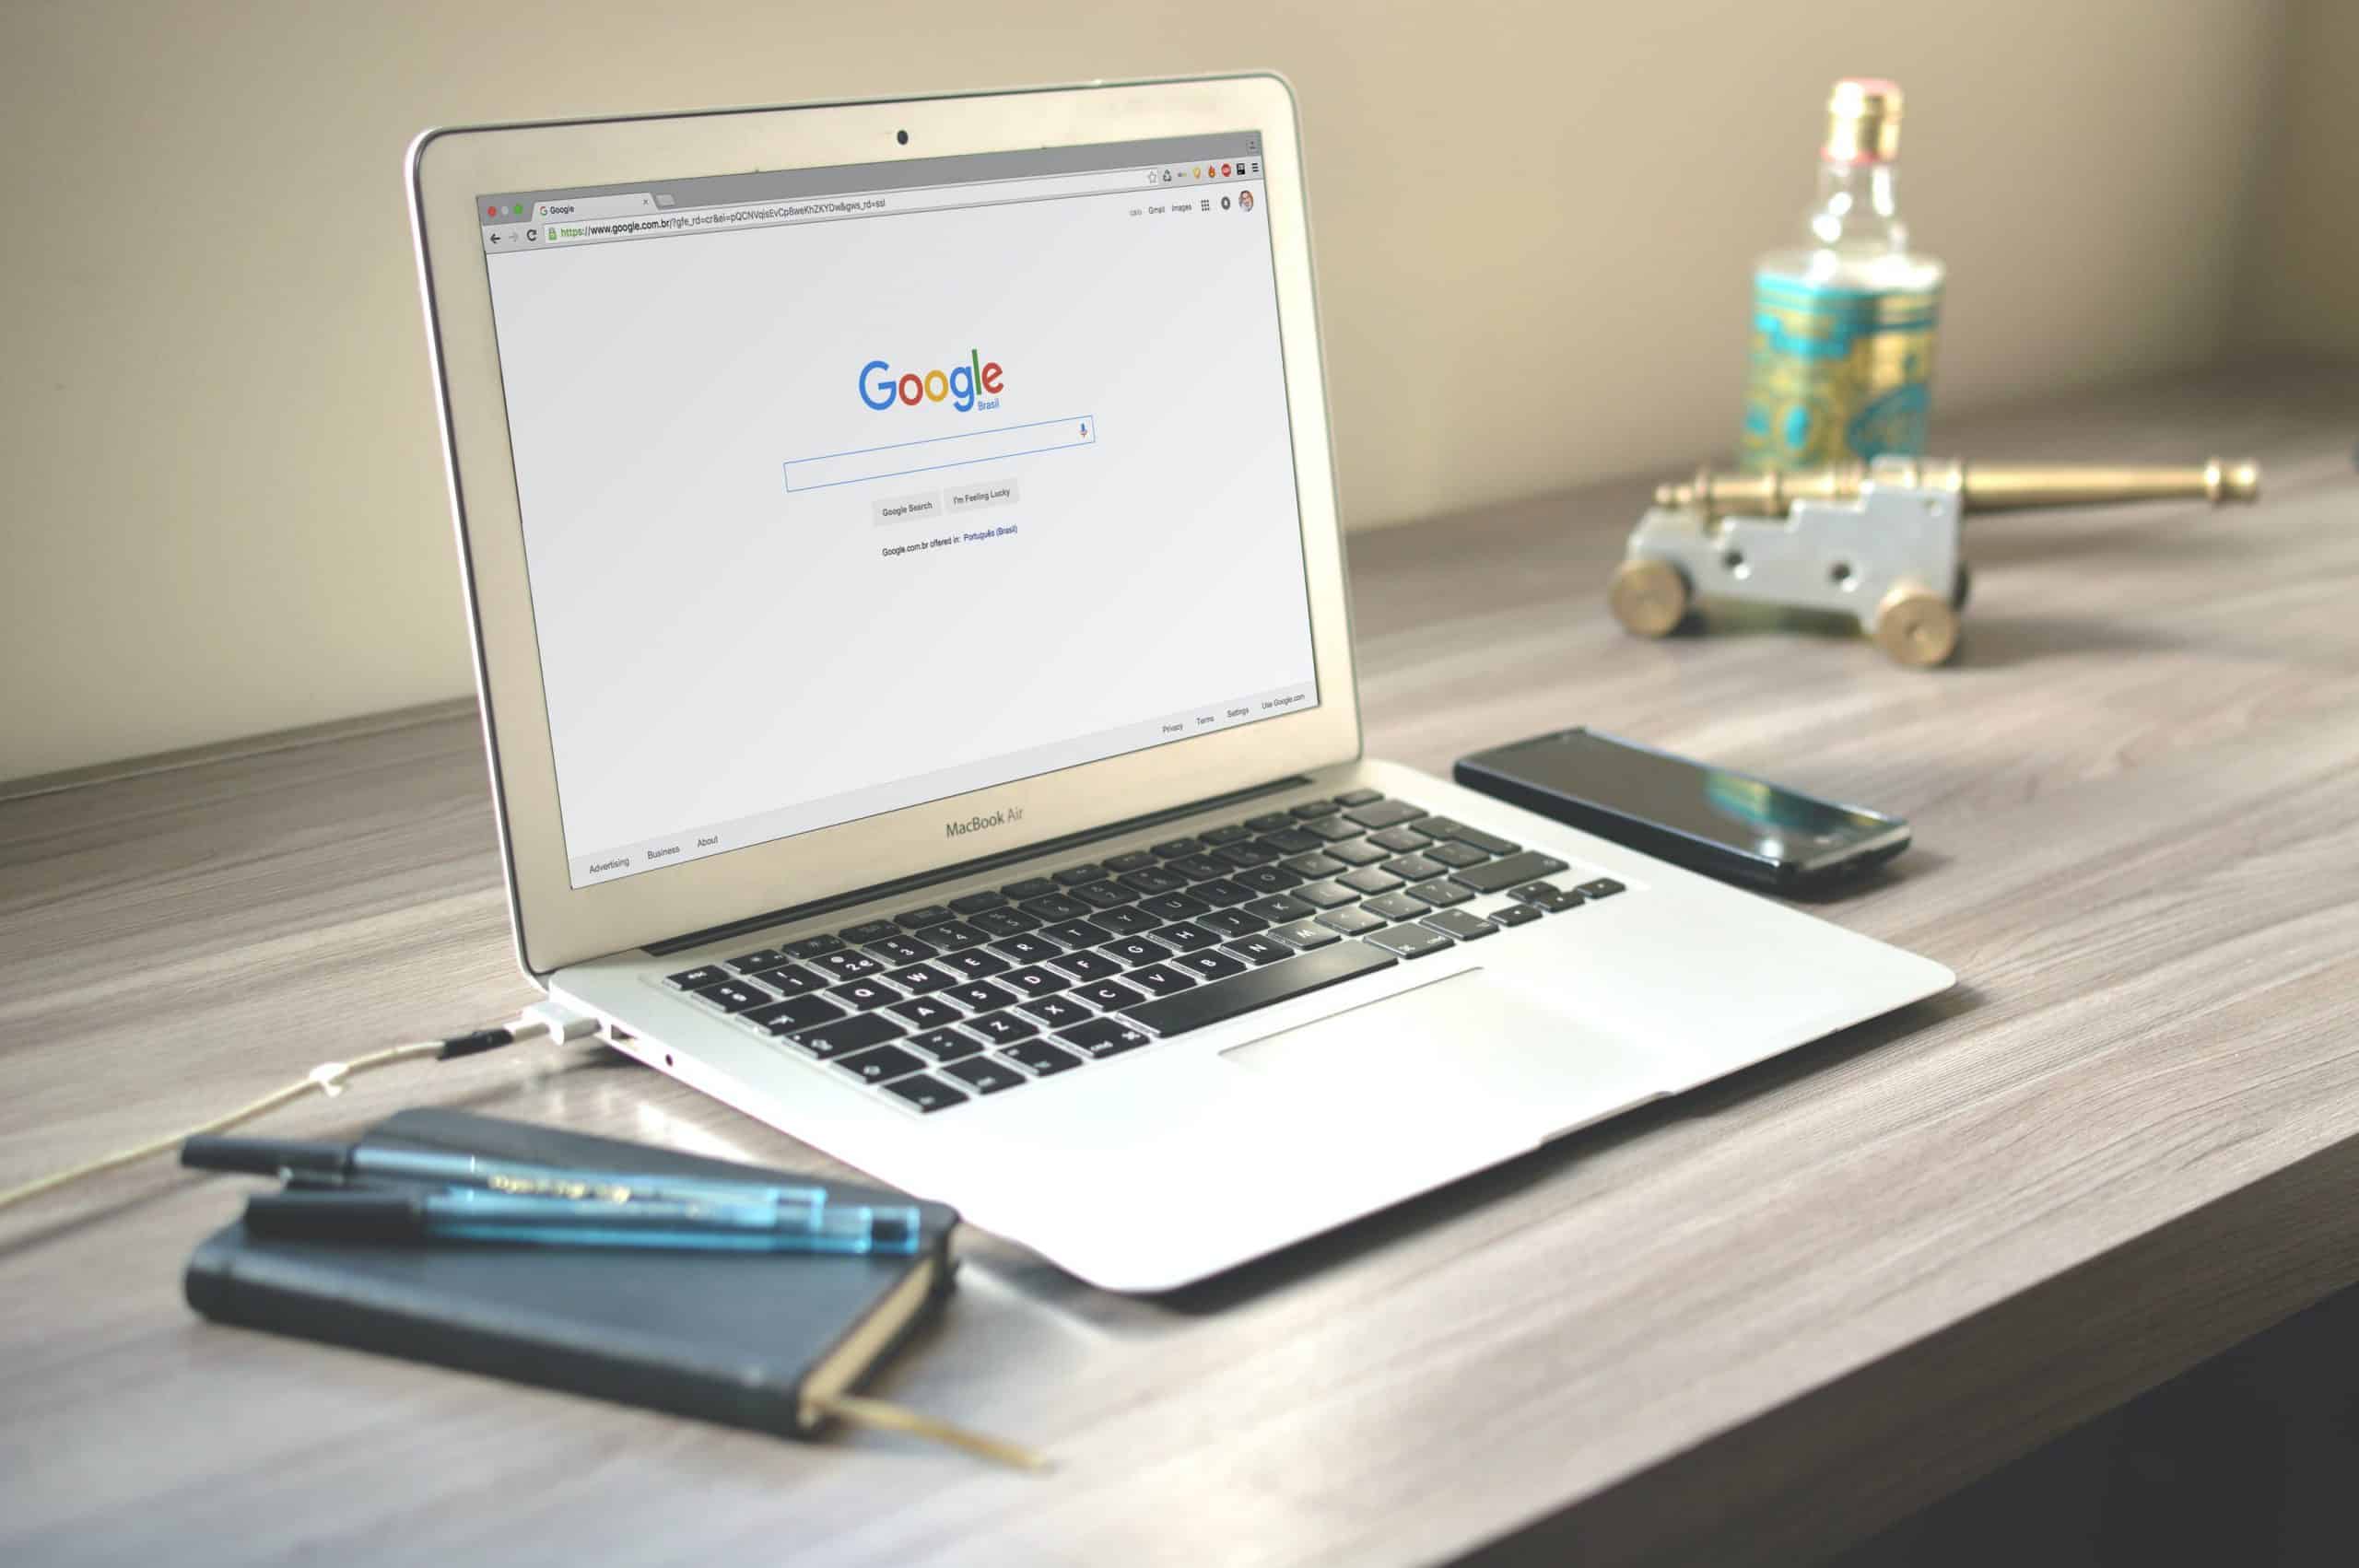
<point x="1455" y="856"/>
<point x="1104" y="895"/>
<point x="1258" y="949"/>
<point x="1352" y="922"/>
<point x="1153" y="881"/>
<point x="732" y="996"/>
<point x="1500" y="875"/>
<point x="1126" y="922"/>
<point x="976" y="963"/>
<point x="1268" y="821"/>
<point x="1604" y="887"/>
<point x="1173" y="906"/>
<point x="1314" y="810"/>
<point x="1030" y="888"/>
<point x="868" y="931"/>
<point x="1279" y="908"/>
<point x="923" y="977"/>
<point x="981" y="995"/>
<point x="1334" y="829"/>
<point x="1512" y="915"/>
<point x="1245" y="854"/>
<point x="1085" y="965"/>
<point x="1220" y="893"/>
<point x="881" y="1064"/>
<point x="1548" y="897"/>
<point x="760" y="959"/>
<point x="1000" y="1028"/>
<point x="1219" y="836"/>
<point x="850" y="1034"/>
<point x="1316" y="866"/>
<point x="1103" y="1037"/>
<point x="1416" y="868"/>
<point x="1196" y="868"/>
<point x="1449" y="827"/>
<point x="1136" y="950"/>
<point x="1226" y="998"/>
<point x="1442" y="892"/>
<point x="1058" y="1012"/>
<point x="1004" y="922"/>
<point x="1186" y="936"/>
<point x="952" y="935"/>
<point x="862" y="995"/>
<point x="1396" y="907"/>
<point x="945" y="1044"/>
<point x="1360" y="797"/>
<point x="1159" y="979"/>
<point x="814" y="946"/>
<point x="984" y="1075"/>
<point x="1173" y="848"/>
<point x="1215" y="965"/>
<point x="901" y="949"/>
<point x="1034" y="980"/>
<point x="924" y="1012"/>
<point x="924" y="915"/>
<point x="1074" y="876"/>
<point x="1358" y="852"/>
<point x="1042" y="1058"/>
<point x="703" y="974"/>
<point x="1232" y="922"/>
<point x="1462" y="925"/>
<point x="1056" y="907"/>
<point x="1409" y="942"/>
<point x="1136" y="860"/>
<point x="849" y="965"/>
<point x="1266" y="879"/>
<point x="927" y="1092"/>
<point x="1303" y="933"/>
<point x="1289" y="841"/>
<point x="975" y="903"/>
<point x="1030" y="948"/>
<point x="794" y="1012"/>
<point x="1079" y="933"/>
<point x="1400" y="840"/>
<point x="1368" y="879"/>
<point x="1385" y="813"/>
<point x="1111" y="995"/>
<point x="1326" y="895"/>
<point x="793" y="979"/>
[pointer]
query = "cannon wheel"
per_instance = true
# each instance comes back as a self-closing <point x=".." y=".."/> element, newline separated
<point x="1648" y="597"/>
<point x="1916" y="625"/>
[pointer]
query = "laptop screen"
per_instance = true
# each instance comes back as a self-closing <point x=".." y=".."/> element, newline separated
<point x="847" y="489"/>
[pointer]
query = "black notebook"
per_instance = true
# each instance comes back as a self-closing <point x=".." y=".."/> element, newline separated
<point x="759" y="1341"/>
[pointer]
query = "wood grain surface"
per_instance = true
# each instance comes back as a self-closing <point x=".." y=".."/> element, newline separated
<point x="1749" y="1323"/>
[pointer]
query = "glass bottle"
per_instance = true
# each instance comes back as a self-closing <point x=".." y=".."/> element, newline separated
<point x="1843" y="326"/>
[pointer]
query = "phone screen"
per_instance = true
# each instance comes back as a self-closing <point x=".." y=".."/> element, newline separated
<point x="1747" y="814"/>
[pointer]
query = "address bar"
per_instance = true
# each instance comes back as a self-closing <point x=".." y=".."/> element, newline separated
<point x="817" y="210"/>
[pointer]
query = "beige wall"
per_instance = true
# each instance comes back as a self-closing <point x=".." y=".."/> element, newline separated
<point x="2301" y="272"/>
<point x="223" y="507"/>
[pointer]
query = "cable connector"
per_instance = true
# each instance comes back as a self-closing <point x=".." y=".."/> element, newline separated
<point x="562" y="1022"/>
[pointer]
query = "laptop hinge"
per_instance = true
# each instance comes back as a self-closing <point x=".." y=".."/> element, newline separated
<point x="964" y="868"/>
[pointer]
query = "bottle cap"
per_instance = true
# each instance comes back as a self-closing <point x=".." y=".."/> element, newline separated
<point x="1863" y="120"/>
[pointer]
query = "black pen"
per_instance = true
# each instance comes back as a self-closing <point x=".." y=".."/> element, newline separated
<point x="290" y="1158"/>
<point x="477" y="1214"/>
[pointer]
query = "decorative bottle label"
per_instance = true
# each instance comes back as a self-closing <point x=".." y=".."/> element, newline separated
<point x="1838" y="375"/>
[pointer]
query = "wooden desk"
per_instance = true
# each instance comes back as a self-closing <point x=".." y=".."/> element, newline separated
<point x="1759" y="1320"/>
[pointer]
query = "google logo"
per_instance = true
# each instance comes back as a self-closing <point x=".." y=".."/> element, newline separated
<point x="879" y="389"/>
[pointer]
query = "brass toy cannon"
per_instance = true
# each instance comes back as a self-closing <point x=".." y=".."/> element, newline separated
<point x="1879" y="543"/>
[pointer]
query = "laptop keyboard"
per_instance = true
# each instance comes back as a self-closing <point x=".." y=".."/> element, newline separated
<point x="946" y="1002"/>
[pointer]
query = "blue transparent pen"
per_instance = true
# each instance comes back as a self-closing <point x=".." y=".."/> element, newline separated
<point x="345" y="1161"/>
<point x="476" y="1214"/>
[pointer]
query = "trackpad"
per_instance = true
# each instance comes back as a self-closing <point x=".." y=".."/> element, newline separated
<point x="1464" y="1042"/>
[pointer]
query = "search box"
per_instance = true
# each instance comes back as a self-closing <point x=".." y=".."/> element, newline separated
<point x="943" y="451"/>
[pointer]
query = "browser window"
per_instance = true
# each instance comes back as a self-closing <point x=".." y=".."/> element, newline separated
<point x="848" y="489"/>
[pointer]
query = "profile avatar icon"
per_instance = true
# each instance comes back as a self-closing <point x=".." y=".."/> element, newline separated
<point x="1245" y="200"/>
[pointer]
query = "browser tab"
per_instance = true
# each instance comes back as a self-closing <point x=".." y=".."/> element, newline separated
<point x="594" y="206"/>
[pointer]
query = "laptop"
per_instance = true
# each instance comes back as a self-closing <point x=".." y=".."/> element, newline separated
<point x="910" y="613"/>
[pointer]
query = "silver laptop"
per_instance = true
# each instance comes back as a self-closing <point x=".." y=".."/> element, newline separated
<point x="916" y="663"/>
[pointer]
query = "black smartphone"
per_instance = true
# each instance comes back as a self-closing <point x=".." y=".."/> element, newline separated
<point x="1707" y="819"/>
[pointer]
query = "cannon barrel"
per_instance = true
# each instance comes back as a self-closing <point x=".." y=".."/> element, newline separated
<point x="1987" y="487"/>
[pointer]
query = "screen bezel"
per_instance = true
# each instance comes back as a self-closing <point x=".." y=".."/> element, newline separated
<point x="557" y="923"/>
